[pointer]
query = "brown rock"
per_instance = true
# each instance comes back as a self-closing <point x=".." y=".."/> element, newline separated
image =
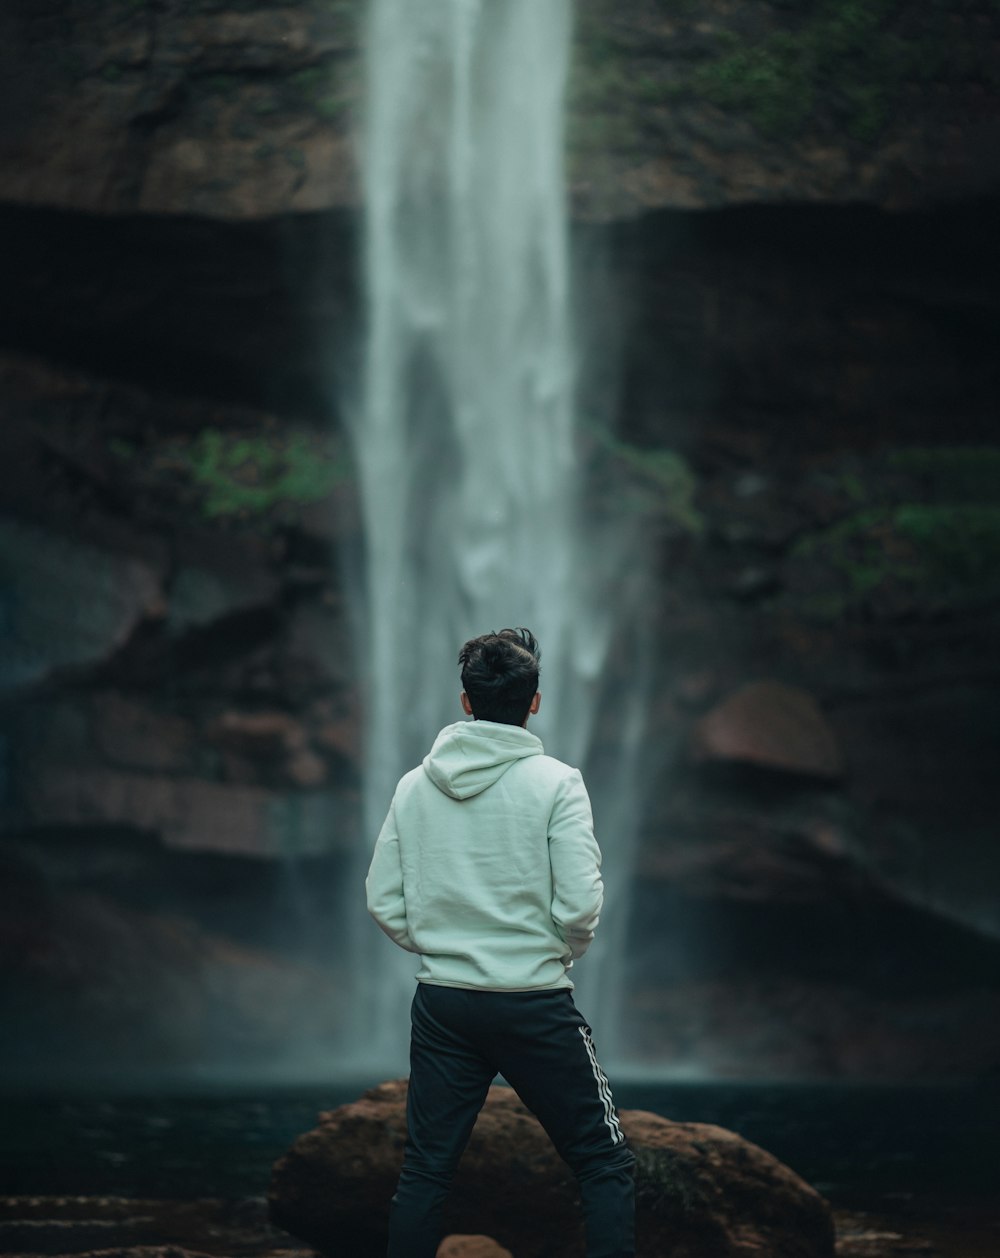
<point x="306" y="769"/>
<point x="702" y="1192"/>
<point x="188" y="813"/>
<point x="250" y="115"/>
<point x="471" y="1247"/>
<point x="259" y="735"/>
<point x="770" y="724"/>
<point x="266" y="130"/>
<point x="268" y="738"/>
<point x="134" y="735"/>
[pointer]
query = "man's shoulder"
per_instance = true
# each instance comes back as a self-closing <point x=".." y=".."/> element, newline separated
<point x="410" y="779"/>
<point x="548" y="769"/>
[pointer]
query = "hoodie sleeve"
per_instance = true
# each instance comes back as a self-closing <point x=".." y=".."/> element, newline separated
<point x="384" y="884"/>
<point x="575" y="858"/>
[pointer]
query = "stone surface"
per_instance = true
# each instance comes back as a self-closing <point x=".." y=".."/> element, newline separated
<point x="222" y="112"/>
<point x="65" y="603"/>
<point x="198" y="595"/>
<point x="117" y="1227"/>
<point x="101" y="989"/>
<point x="702" y="1191"/>
<point x="132" y="735"/>
<point x="140" y="1227"/>
<point x="772" y="725"/>
<point x="745" y="1026"/>
<point x="471" y="1247"/>
<point x="777" y="925"/>
<point x="188" y="813"/>
<point x="243" y="114"/>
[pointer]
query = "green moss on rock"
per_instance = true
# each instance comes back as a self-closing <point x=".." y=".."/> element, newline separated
<point x="920" y="534"/>
<point x="841" y="67"/>
<point x="928" y="556"/>
<point x="666" y="484"/>
<point x="844" y="51"/>
<point x="326" y="88"/>
<point x="260" y="480"/>
<point x="656" y="481"/>
<point x="241" y="475"/>
<point x="772" y="82"/>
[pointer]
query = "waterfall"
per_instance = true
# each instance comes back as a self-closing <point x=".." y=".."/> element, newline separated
<point x="464" y="430"/>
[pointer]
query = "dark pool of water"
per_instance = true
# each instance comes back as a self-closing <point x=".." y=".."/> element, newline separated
<point x="859" y="1145"/>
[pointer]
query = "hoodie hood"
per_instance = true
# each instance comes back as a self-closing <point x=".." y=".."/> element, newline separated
<point x="470" y="756"/>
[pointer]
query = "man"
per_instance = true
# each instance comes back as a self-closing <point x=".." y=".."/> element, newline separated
<point x="488" y="868"/>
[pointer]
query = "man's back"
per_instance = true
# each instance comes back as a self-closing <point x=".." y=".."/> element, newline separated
<point x="490" y="843"/>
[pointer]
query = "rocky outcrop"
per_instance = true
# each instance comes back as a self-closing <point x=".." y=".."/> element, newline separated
<point x="187" y="813"/>
<point x="716" y="104"/>
<point x="71" y="603"/>
<point x="195" y="109"/>
<point x="149" y="576"/>
<point x="101" y="989"/>
<point x="230" y="111"/>
<point x="774" y="924"/>
<point x="769" y="724"/>
<point x="701" y="1190"/>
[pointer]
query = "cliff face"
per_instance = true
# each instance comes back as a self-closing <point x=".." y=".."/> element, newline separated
<point x="245" y="110"/>
<point x="698" y="105"/>
<point x="227" y="112"/>
<point x="791" y="323"/>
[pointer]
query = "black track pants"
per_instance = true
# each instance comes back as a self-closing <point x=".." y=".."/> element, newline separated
<point x="541" y="1045"/>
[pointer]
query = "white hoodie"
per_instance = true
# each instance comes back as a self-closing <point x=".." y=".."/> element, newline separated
<point x="487" y="865"/>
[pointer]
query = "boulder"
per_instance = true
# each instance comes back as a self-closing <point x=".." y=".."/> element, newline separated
<point x="471" y="1247"/>
<point x="702" y="1191"/>
<point x="770" y="725"/>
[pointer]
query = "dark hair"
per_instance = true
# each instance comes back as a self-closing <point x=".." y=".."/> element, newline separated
<point x="500" y="675"/>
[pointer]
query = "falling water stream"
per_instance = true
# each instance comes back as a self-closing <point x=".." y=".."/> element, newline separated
<point x="464" y="432"/>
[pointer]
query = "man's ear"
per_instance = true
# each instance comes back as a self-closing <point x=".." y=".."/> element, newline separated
<point x="535" y="703"/>
<point x="466" y="705"/>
